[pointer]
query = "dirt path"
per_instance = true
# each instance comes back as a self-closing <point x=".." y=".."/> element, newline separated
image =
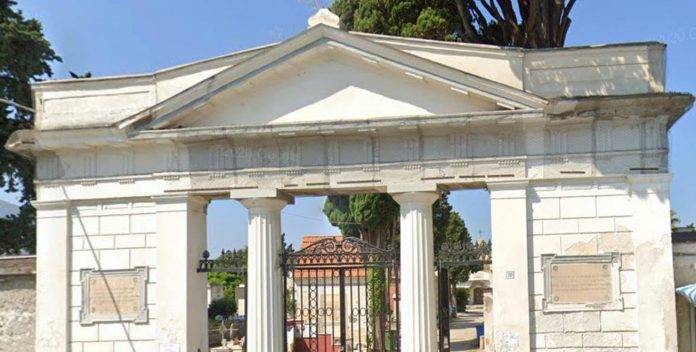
<point x="463" y="329"/>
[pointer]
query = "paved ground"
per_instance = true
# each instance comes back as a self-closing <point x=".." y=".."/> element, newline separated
<point x="463" y="329"/>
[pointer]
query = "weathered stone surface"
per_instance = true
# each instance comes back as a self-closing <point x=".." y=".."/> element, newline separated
<point x="581" y="321"/>
<point x="558" y="340"/>
<point x="619" y="320"/>
<point x="630" y="339"/>
<point x="601" y="339"/>
<point x="615" y="242"/>
<point x="17" y="305"/>
<point x="579" y="245"/>
<point x="548" y="322"/>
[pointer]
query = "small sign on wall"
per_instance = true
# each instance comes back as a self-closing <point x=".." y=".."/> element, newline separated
<point x="586" y="282"/>
<point x="114" y="295"/>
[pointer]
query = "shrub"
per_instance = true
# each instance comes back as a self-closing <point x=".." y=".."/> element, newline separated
<point x="224" y="307"/>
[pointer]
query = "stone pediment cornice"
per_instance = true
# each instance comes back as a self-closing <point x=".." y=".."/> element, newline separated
<point x="167" y="112"/>
<point x="571" y="110"/>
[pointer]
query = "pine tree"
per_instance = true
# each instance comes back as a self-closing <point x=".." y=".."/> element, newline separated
<point x="25" y="57"/>
<point x="528" y="23"/>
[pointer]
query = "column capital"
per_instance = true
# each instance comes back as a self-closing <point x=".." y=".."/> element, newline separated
<point x="265" y="203"/>
<point x="426" y="198"/>
<point x="261" y="193"/>
<point x="412" y="187"/>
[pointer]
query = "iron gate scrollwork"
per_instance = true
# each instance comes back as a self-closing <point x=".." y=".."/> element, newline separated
<point x="449" y="258"/>
<point x="341" y="295"/>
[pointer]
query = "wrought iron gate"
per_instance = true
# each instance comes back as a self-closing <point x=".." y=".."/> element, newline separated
<point x="450" y="259"/>
<point x="341" y="295"/>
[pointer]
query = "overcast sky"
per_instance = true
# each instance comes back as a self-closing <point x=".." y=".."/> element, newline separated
<point x="128" y="36"/>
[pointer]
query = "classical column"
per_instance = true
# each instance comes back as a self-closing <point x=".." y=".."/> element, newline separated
<point x="265" y="316"/>
<point x="52" y="275"/>
<point x="510" y="277"/>
<point x="417" y="307"/>
<point x="181" y="291"/>
<point x="652" y="240"/>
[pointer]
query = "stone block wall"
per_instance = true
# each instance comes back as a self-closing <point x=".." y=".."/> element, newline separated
<point x="17" y="303"/>
<point x="582" y="218"/>
<point x="111" y="236"/>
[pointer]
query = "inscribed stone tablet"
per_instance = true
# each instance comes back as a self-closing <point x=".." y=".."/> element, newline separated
<point x="586" y="283"/>
<point x="117" y="295"/>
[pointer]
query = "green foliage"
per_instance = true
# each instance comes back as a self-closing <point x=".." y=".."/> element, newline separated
<point x="533" y="24"/>
<point x="229" y="281"/>
<point x="377" y="305"/>
<point x="372" y="217"/>
<point x="25" y="57"/>
<point x="290" y="305"/>
<point x="461" y="295"/>
<point x="224" y="307"/>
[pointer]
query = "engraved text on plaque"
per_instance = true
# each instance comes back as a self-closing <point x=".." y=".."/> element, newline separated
<point x="581" y="282"/>
<point x="114" y="295"/>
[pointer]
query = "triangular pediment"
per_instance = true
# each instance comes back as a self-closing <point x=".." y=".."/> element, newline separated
<point x="325" y="74"/>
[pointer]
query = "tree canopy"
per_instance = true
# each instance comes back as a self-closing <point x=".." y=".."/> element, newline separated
<point x="25" y="57"/>
<point x="375" y="218"/>
<point x="523" y="23"/>
<point x="371" y="217"/>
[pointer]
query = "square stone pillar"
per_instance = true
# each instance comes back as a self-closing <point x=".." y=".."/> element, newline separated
<point x="417" y="307"/>
<point x="510" y="278"/>
<point x="652" y="240"/>
<point x="182" y="318"/>
<point x="265" y="291"/>
<point x="52" y="276"/>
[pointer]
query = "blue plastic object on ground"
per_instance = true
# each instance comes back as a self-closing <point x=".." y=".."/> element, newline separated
<point x="479" y="331"/>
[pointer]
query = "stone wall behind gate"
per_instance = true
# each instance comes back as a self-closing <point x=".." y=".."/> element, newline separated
<point x="582" y="218"/>
<point x="17" y="303"/>
<point x="113" y="236"/>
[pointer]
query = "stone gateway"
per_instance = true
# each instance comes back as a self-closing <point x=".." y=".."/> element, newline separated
<point x="571" y="144"/>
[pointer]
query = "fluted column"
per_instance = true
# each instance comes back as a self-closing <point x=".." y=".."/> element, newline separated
<point x="417" y="307"/>
<point x="265" y="316"/>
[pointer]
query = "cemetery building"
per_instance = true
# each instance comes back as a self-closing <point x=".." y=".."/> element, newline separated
<point x="570" y="143"/>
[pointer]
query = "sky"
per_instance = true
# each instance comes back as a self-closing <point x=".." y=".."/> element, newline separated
<point x="127" y="36"/>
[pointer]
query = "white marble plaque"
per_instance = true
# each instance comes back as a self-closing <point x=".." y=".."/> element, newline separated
<point x="581" y="283"/>
<point x="114" y="295"/>
<point x="588" y="282"/>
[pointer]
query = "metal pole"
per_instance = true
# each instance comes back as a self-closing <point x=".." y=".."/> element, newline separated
<point x="342" y="306"/>
<point x="17" y="105"/>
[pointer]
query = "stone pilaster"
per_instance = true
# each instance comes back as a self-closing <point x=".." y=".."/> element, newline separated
<point x="652" y="238"/>
<point x="418" y="314"/>
<point x="181" y="291"/>
<point x="510" y="278"/>
<point x="52" y="276"/>
<point x="265" y="314"/>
